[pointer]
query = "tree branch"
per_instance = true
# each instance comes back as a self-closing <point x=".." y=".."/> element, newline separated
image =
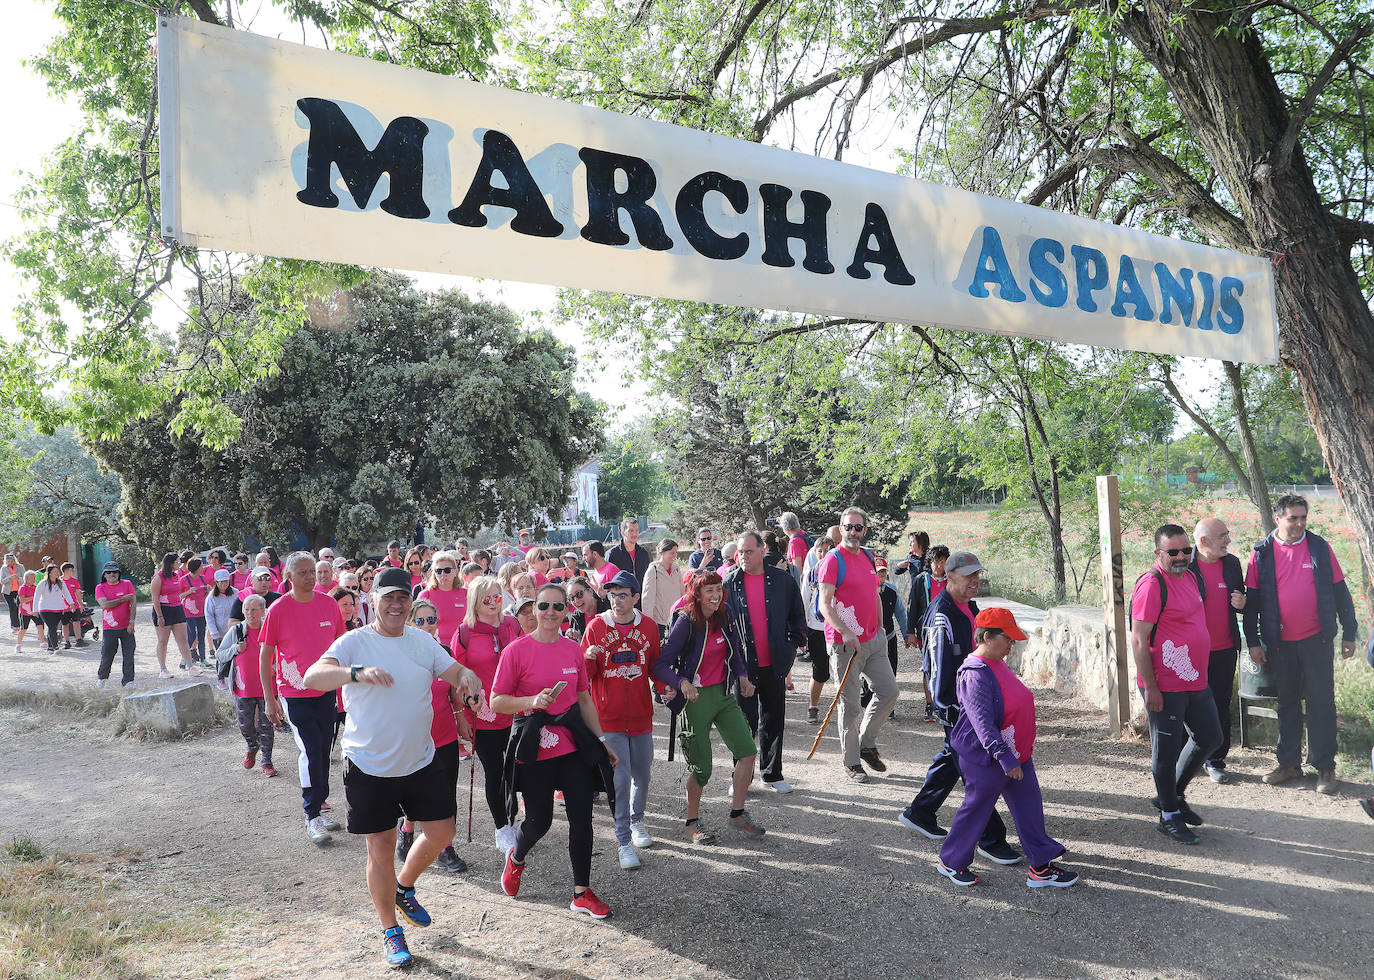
<point x="1282" y="154"/>
<point x="1352" y="230"/>
<point x="737" y="38"/>
<point x="204" y="11"/>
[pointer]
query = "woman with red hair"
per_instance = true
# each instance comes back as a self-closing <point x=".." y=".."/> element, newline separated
<point x="702" y="662"/>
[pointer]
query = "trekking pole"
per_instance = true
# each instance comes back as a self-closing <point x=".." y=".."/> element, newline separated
<point x="672" y="734"/>
<point x="826" y="723"/>
<point x="472" y="778"/>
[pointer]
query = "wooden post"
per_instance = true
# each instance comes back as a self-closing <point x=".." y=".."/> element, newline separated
<point x="1114" y="605"/>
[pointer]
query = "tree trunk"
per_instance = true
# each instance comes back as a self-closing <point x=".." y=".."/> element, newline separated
<point x="1259" y="484"/>
<point x="1225" y="90"/>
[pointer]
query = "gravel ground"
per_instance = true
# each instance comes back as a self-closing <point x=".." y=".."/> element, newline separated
<point x="1280" y="886"/>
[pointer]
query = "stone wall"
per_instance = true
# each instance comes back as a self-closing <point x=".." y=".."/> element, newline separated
<point x="1068" y="653"/>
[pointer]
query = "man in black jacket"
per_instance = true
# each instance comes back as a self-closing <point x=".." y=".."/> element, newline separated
<point x="629" y="556"/>
<point x="1223" y="596"/>
<point x="773" y="626"/>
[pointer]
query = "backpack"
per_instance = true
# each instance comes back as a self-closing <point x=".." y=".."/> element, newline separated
<point x="228" y="652"/>
<point x="1163" y="597"/>
<point x="839" y="578"/>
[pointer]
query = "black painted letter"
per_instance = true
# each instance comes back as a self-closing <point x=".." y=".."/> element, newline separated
<point x="604" y="201"/>
<point x="691" y="217"/>
<point x="333" y="140"/>
<point x="883" y="250"/>
<point x="777" y="230"/>
<point x="532" y="214"/>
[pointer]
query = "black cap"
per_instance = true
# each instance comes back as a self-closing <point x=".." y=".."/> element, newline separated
<point x="110" y="566"/>
<point x="390" y="579"/>
<point x="624" y="580"/>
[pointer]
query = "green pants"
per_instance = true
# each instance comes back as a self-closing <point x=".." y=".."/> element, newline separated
<point x="713" y="706"/>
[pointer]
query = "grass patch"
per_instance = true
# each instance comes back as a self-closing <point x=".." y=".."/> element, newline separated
<point x="24" y="848"/>
<point x="77" y="703"/>
<point x="60" y="919"/>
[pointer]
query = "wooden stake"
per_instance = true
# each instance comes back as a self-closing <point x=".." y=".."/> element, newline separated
<point x="826" y="724"/>
<point x="1114" y="605"/>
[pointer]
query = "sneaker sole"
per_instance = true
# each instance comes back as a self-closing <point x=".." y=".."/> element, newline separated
<point x="877" y="765"/>
<point x="588" y="912"/>
<point x="910" y="824"/>
<point x="415" y="922"/>
<point x="1038" y="883"/>
<point x="1006" y="862"/>
<point x="403" y="965"/>
<point x="948" y="873"/>
<point x="1178" y="840"/>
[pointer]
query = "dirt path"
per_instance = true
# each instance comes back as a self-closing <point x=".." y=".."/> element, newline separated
<point x="1281" y="885"/>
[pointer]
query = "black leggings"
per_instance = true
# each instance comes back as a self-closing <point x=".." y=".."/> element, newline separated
<point x="537" y="781"/>
<point x="52" y="623"/>
<point x="1182" y="736"/>
<point x="491" y="749"/>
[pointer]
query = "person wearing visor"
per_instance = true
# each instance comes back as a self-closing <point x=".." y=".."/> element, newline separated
<point x="993" y="738"/>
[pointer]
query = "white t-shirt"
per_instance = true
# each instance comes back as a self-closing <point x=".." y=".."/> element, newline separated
<point x="387" y="729"/>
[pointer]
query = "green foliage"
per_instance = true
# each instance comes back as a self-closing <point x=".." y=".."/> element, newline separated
<point x="24" y="848"/>
<point x="424" y="406"/>
<point x="63" y="487"/>
<point x="631" y="481"/>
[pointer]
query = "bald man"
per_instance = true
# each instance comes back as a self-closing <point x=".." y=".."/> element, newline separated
<point x="1223" y="596"/>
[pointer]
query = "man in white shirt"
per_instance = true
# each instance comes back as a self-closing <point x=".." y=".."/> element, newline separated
<point x="386" y="671"/>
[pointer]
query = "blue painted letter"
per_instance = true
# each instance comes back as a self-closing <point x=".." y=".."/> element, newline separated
<point x="1045" y="256"/>
<point x="993" y="267"/>
<point x="1088" y="281"/>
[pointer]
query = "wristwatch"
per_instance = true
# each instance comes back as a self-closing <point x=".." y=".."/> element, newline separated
<point x="353" y="673"/>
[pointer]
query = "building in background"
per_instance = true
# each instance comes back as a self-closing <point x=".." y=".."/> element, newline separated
<point x="583" y="506"/>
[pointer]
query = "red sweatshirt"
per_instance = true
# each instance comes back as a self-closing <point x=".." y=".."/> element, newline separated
<point x="620" y="672"/>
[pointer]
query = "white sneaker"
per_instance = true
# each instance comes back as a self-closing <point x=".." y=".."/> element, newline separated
<point x="318" y="835"/>
<point x="100" y="683"/>
<point x="639" y="834"/>
<point x="329" y="823"/>
<point x="164" y="673"/>
<point x="779" y="786"/>
<point x="505" y="838"/>
<point x="629" y="857"/>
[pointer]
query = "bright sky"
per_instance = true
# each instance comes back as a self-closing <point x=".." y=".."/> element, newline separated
<point x="44" y="122"/>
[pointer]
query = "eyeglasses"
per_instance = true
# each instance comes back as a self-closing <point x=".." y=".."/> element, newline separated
<point x="852" y="527"/>
<point x="491" y="600"/>
<point x="555" y="606"/>
<point x="443" y="571"/>
<point x="1175" y="552"/>
<point x="426" y="620"/>
<point x="577" y="596"/>
<point x="704" y="537"/>
<point x="411" y="564"/>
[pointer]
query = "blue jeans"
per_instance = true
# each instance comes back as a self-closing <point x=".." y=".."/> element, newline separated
<point x="635" y="754"/>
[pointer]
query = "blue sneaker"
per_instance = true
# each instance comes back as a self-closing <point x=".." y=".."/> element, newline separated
<point x="411" y="910"/>
<point x="397" y="952"/>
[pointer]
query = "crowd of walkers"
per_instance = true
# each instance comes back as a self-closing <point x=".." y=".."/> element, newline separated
<point x="546" y="668"/>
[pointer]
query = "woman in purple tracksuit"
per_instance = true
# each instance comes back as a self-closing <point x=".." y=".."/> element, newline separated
<point x="993" y="739"/>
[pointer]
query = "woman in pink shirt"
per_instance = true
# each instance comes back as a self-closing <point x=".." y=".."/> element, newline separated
<point x="442" y="589"/>
<point x="477" y="644"/>
<point x="169" y="616"/>
<point x="195" y="587"/>
<point x="27" y="617"/>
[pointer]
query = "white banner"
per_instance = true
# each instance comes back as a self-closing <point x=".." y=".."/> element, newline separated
<point x="282" y="149"/>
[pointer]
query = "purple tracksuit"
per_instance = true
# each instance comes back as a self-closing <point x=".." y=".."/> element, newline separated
<point x="985" y="759"/>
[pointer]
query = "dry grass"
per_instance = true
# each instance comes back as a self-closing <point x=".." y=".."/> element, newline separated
<point x="64" y="917"/>
<point x="78" y="703"/>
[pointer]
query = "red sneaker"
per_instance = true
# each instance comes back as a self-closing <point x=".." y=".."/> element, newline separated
<point x="268" y="769"/>
<point x="510" y="878"/>
<point x="589" y="903"/>
<point x="250" y="760"/>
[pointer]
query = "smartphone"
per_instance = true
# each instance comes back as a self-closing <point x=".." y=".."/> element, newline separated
<point x="558" y="689"/>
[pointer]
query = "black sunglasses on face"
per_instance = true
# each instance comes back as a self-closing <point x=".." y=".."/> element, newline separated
<point x="411" y="564"/>
<point x="443" y="571"/>
<point x="853" y="527"/>
<point x="426" y="620"/>
<point x="1174" y="552"/>
<point x="555" y="606"/>
<point x="577" y="596"/>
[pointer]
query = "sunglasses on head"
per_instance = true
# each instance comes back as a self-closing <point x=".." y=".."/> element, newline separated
<point x="853" y="527"/>
<point x="426" y="620"/>
<point x="555" y="606"/>
<point x="1175" y="552"/>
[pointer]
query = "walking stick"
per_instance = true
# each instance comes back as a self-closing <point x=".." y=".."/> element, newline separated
<point x="472" y="776"/>
<point x="672" y="734"/>
<point x="826" y="723"/>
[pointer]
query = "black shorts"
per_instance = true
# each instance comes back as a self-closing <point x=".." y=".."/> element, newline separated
<point x="375" y="803"/>
<point x="169" y="615"/>
<point x="820" y="657"/>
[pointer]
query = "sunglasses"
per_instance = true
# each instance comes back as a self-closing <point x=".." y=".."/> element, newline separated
<point x="412" y="564"/>
<point x="704" y="537"/>
<point x="853" y="527"/>
<point x="491" y="600"/>
<point x="577" y="596"/>
<point x="1175" y="552"/>
<point x="555" y="606"/>
<point x="426" y="620"/>
<point x="443" y="571"/>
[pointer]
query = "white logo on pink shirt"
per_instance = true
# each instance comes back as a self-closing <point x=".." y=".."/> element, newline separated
<point x="849" y="617"/>
<point x="483" y="710"/>
<point x="1176" y="659"/>
<point x="548" y="739"/>
<point x="291" y="674"/>
<point x="1009" y="736"/>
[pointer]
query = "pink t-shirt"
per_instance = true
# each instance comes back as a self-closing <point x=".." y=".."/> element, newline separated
<point x="26" y="594"/>
<point x="540" y="579"/>
<point x="758" y="617"/>
<point x="937" y="585"/>
<point x="1182" y="644"/>
<point x="528" y="667"/>
<point x="195" y="602"/>
<point x="444" y="728"/>
<point x="169" y="589"/>
<point x="1217" y="603"/>
<point x="1018" y="710"/>
<point x="481" y="655"/>
<point x="301" y="632"/>
<point x="1295" y="575"/>
<point x="451" y="604"/>
<point x="606" y="572"/>
<point x="247" y="665"/>
<point x="856" y="598"/>
<point x="964" y="608"/>
<point x="713" y="659"/>
<point x="796" y="548"/>
<point x="240" y="580"/>
<point x="73" y="589"/>
<point x="117" y="617"/>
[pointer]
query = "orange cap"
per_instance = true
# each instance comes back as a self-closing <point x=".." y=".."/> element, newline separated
<point x="999" y="619"/>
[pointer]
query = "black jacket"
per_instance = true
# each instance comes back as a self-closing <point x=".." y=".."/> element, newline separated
<point x="636" y="564"/>
<point x="1262" y="625"/>
<point x="1234" y="576"/>
<point x="523" y="748"/>
<point x="782" y="603"/>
